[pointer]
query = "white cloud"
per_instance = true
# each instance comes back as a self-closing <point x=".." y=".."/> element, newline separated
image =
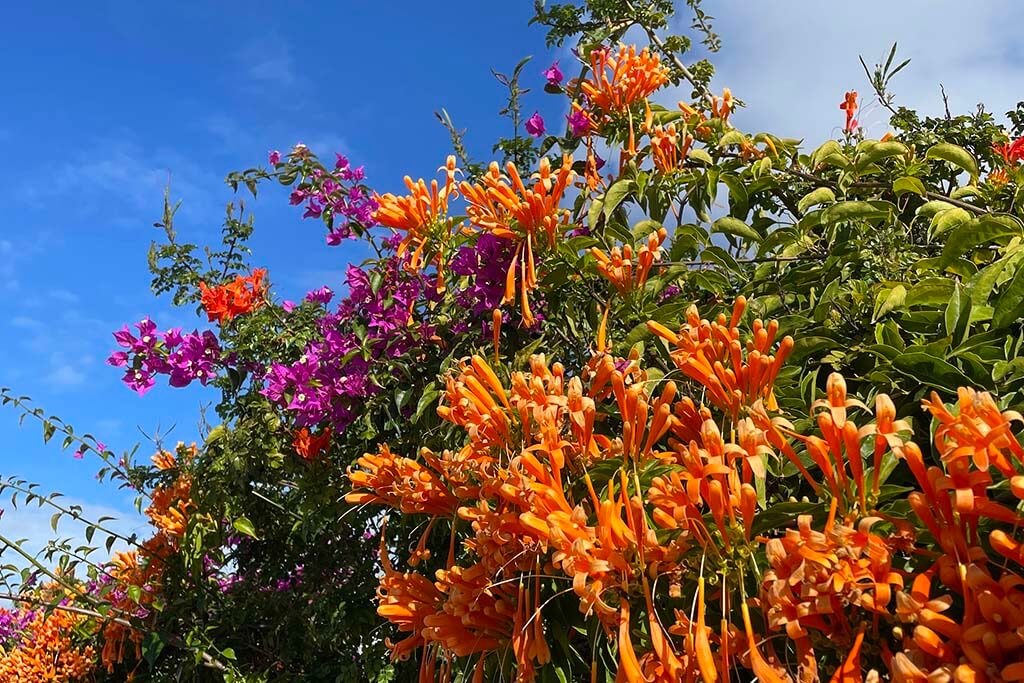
<point x="64" y="296"/>
<point x="33" y="524"/>
<point x="26" y="323"/>
<point x="65" y="376"/>
<point x="123" y="183"/>
<point x="270" y="64"/>
<point x="792" y="60"/>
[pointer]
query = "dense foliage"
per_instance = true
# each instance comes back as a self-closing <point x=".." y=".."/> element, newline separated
<point x="714" y="406"/>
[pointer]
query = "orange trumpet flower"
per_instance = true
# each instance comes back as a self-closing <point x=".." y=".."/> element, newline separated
<point x="422" y="216"/>
<point x="620" y="268"/>
<point x="528" y="215"/>
<point x="620" y="80"/>
<point x="668" y="148"/>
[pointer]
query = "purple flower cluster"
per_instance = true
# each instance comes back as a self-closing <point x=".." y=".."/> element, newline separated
<point x="339" y="198"/>
<point x="486" y="263"/>
<point x="333" y="376"/>
<point x="12" y="623"/>
<point x="184" y="358"/>
<point x="670" y="292"/>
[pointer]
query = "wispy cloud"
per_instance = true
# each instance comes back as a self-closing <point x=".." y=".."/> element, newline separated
<point x="65" y="376"/>
<point x="792" y="60"/>
<point x="64" y="296"/>
<point x="32" y="523"/>
<point x="269" y="64"/>
<point x="122" y="183"/>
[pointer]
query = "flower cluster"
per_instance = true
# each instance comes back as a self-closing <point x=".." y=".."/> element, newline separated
<point x="136" y="575"/>
<point x="485" y="263"/>
<point x="332" y="377"/>
<point x="183" y="358"/>
<point x="677" y="498"/>
<point x="421" y="218"/>
<point x="335" y="196"/>
<point x="241" y="296"/>
<point x="526" y="215"/>
<point x="41" y="645"/>
<point x="620" y="80"/>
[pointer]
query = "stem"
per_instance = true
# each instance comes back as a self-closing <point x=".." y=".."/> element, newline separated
<point x="77" y="516"/>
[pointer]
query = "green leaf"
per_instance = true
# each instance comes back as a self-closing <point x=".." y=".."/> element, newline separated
<point x="427" y="399"/>
<point x="889" y="300"/>
<point x="700" y="154"/>
<point x="822" y="195"/>
<point x="852" y="211"/>
<point x="733" y="226"/>
<point x="619" y="190"/>
<point x="978" y="232"/>
<point x="644" y="228"/>
<point x="958" y="314"/>
<point x="733" y="137"/>
<point x="982" y="284"/>
<point x="933" y="208"/>
<point x="48" y="430"/>
<point x="1009" y="305"/>
<point x="883" y="150"/>
<point x="932" y="291"/>
<point x="827" y="149"/>
<point x="947" y="220"/>
<point x="930" y="371"/>
<point x="907" y="185"/>
<point x="956" y="155"/>
<point x="243" y="525"/>
<point x="596" y="207"/>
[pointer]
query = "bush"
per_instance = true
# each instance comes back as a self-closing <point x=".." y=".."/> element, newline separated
<point x="716" y="407"/>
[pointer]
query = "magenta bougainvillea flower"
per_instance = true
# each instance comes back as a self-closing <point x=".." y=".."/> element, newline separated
<point x="535" y="125"/>
<point x="183" y="358"/>
<point x="553" y="74"/>
<point x="579" y="123"/>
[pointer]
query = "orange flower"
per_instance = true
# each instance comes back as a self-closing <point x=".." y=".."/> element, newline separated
<point x="45" y="651"/>
<point x="850" y="106"/>
<point x="711" y="354"/>
<point x="668" y="148"/>
<point x="406" y="600"/>
<point x="422" y="216"/>
<point x="722" y="107"/>
<point x="619" y="268"/>
<point x="998" y="177"/>
<point x="309" y="447"/>
<point x="507" y="208"/>
<point x="1010" y="152"/>
<point x="618" y="81"/>
<point x="404" y="484"/>
<point x="980" y="431"/>
<point x="239" y="297"/>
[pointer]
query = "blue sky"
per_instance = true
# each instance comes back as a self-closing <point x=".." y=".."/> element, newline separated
<point x="127" y="95"/>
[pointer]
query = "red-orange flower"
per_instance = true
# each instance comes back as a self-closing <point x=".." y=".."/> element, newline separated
<point x="1010" y="152"/>
<point x="241" y="296"/>
<point x="850" y="106"/>
<point x="309" y="447"/>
